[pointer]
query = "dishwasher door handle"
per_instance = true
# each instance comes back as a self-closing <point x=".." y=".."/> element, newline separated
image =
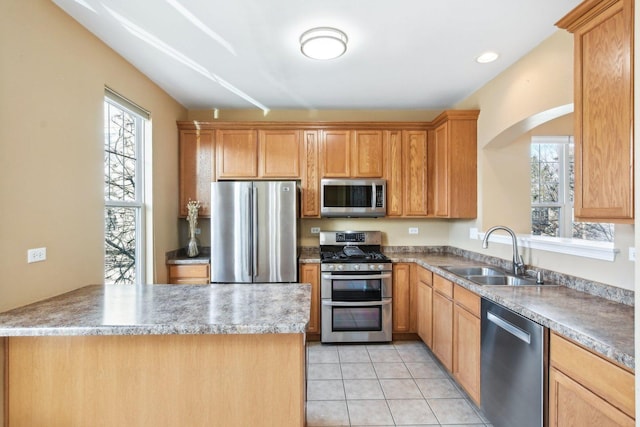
<point x="509" y="327"/>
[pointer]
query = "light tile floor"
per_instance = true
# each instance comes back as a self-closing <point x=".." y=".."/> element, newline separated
<point x="397" y="384"/>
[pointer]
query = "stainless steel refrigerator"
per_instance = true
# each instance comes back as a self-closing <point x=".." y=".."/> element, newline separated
<point x="254" y="231"/>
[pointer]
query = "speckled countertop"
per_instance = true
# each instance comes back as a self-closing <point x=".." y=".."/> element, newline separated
<point x="179" y="256"/>
<point x="592" y="314"/>
<point x="165" y="309"/>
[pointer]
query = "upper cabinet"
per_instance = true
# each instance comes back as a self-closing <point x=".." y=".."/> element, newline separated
<point x="453" y="165"/>
<point x="248" y="153"/>
<point x="603" y="99"/>
<point x="196" y="169"/>
<point x="351" y="153"/>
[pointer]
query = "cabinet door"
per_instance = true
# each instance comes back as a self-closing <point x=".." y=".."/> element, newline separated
<point x="310" y="175"/>
<point x="279" y="153"/>
<point x="571" y="404"/>
<point x="441" y="164"/>
<point x="424" y="304"/>
<point x="366" y="154"/>
<point x="191" y="274"/>
<point x="443" y="329"/>
<point x="466" y="351"/>
<point x="237" y="153"/>
<point x="310" y="273"/>
<point x="393" y="172"/>
<point x="196" y="169"/>
<point x="401" y="298"/>
<point x="336" y="153"/>
<point x="603" y="99"/>
<point x="414" y="146"/>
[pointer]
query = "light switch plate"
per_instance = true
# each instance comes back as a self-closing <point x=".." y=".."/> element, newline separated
<point x="473" y="233"/>
<point x="413" y="230"/>
<point x="315" y="230"/>
<point x="632" y="254"/>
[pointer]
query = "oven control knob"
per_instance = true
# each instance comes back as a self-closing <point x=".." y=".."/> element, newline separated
<point x="340" y="267"/>
<point x="356" y="267"/>
<point x="330" y="267"/>
<point x="380" y="266"/>
<point x="372" y="267"/>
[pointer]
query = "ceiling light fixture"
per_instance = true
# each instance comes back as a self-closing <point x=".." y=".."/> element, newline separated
<point x="323" y="43"/>
<point x="487" y="57"/>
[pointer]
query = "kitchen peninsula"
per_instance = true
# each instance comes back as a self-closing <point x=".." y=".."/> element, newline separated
<point x="154" y="355"/>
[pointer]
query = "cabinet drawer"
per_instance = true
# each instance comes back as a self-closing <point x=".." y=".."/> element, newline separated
<point x="442" y="285"/>
<point x="190" y="281"/>
<point x="604" y="378"/>
<point x="425" y="276"/>
<point x="467" y="299"/>
<point x="198" y="271"/>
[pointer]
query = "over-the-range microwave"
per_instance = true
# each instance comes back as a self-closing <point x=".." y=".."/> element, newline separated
<point x="353" y="197"/>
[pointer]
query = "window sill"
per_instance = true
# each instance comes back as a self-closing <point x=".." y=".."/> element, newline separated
<point x="576" y="247"/>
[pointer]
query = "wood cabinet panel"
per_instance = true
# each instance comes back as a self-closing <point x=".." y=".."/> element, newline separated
<point x="367" y="154"/>
<point x="603" y="99"/>
<point x="310" y="273"/>
<point x="236" y="153"/>
<point x="394" y="172"/>
<point x="424" y="304"/>
<point x="279" y="153"/>
<point x="336" y="153"/>
<point x="441" y="184"/>
<point x="193" y="274"/>
<point x="466" y="353"/>
<point x="196" y="171"/>
<point x="609" y="381"/>
<point x="414" y="146"/>
<point x="310" y="175"/>
<point x="442" y="327"/>
<point x="401" y="297"/>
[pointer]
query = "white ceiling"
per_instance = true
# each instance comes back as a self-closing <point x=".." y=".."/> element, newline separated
<point x="402" y="54"/>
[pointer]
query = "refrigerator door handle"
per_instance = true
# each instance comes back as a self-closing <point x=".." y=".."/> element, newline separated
<point x="254" y="231"/>
<point x="249" y="225"/>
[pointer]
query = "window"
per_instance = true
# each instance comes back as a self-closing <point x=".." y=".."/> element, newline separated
<point x="124" y="129"/>
<point x="552" y="183"/>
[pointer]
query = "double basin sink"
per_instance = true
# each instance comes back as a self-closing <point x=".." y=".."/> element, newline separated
<point x="492" y="276"/>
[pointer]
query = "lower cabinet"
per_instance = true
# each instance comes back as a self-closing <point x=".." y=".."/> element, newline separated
<point x="466" y="341"/>
<point x="443" y="321"/>
<point x="188" y="274"/>
<point x="587" y="390"/>
<point x="424" y="304"/>
<point x="401" y="302"/>
<point x="310" y="273"/>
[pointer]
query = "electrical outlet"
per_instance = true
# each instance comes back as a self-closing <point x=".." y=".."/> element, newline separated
<point x="632" y="254"/>
<point x="473" y="233"/>
<point x="315" y="230"/>
<point x="198" y="231"/>
<point x="36" y="255"/>
<point x="413" y="230"/>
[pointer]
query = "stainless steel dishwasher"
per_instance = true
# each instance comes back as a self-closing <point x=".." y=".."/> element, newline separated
<point x="514" y="357"/>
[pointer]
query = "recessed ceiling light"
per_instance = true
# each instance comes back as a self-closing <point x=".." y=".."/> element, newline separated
<point x="323" y="43"/>
<point x="487" y="57"/>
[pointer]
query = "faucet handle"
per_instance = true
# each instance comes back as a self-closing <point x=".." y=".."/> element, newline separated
<point x="537" y="274"/>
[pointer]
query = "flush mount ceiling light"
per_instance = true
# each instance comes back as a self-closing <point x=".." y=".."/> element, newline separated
<point x="323" y="43"/>
<point x="487" y="57"/>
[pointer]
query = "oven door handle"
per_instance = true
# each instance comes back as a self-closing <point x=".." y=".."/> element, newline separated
<point x="330" y="303"/>
<point x="356" y="277"/>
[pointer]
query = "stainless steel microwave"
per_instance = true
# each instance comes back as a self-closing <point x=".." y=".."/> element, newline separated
<point x="353" y="197"/>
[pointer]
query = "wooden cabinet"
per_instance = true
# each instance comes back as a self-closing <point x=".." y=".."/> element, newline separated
<point x="310" y="273"/>
<point x="466" y="341"/>
<point x="310" y="175"/>
<point x="586" y="389"/>
<point x="401" y="302"/>
<point x="196" y="169"/>
<point x="406" y="173"/>
<point x="352" y="153"/>
<point x="424" y="304"/>
<point x="453" y="155"/>
<point x="443" y="321"/>
<point x="188" y="274"/>
<point x="603" y="113"/>
<point x="265" y="153"/>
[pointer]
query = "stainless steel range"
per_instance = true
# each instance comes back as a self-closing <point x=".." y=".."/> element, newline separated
<point x="356" y="287"/>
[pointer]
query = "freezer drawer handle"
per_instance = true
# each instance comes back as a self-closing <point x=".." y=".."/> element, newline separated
<point x="356" y="303"/>
<point x="509" y="327"/>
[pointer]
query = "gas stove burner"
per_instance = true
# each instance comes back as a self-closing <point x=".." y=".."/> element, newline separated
<point x="353" y="251"/>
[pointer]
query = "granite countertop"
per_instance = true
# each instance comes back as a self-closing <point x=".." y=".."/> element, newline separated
<point x="165" y="309"/>
<point x="602" y="325"/>
<point x="179" y="256"/>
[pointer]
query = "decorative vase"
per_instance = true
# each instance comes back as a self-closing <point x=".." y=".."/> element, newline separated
<point x="192" y="219"/>
<point x="192" y="246"/>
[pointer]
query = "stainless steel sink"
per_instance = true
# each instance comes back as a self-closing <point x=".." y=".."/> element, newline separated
<point x="503" y="281"/>
<point x="474" y="271"/>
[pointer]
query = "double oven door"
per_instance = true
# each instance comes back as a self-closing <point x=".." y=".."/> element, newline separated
<point x="356" y="306"/>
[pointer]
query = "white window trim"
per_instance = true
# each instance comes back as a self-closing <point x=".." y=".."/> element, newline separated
<point x="576" y="247"/>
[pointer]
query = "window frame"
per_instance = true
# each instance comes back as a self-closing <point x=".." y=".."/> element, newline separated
<point x="142" y="117"/>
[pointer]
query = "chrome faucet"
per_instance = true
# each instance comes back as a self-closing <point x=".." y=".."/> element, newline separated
<point x="518" y="263"/>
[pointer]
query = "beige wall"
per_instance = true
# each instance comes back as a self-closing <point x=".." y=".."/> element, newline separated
<point x="51" y="174"/>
